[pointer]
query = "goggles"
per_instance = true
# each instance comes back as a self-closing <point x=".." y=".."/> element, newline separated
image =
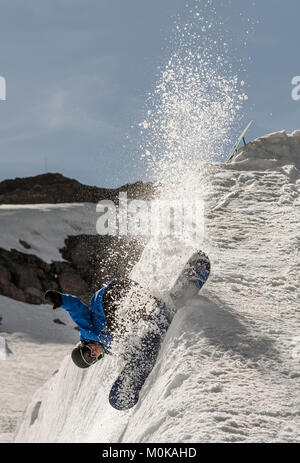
<point x="87" y="354"/>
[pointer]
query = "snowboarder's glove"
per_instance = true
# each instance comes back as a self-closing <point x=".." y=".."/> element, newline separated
<point x="54" y="298"/>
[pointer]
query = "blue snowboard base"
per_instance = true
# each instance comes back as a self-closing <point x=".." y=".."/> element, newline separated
<point x="125" y="391"/>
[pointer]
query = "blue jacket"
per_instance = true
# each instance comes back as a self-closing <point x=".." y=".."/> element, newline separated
<point x="91" y="321"/>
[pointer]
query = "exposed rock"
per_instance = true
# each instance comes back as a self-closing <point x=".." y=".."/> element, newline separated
<point x="5" y="278"/>
<point x="9" y="282"/>
<point x="35" y="295"/>
<point x="58" y="321"/>
<point x="71" y="282"/>
<point x="24" y="244"/>
<point x="91" y="262"/>
<point x="26" y="277"/>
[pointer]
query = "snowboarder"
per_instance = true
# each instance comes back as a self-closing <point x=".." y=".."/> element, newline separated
<point x="102" y="319"/>
<point x="111" y="308"/>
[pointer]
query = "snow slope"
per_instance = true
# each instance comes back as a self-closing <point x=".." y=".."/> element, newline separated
<point x="45" y="226"/>
<point x="228" y="369"/>
<point x="35" y="346"/>
<point x="37" y="343"/>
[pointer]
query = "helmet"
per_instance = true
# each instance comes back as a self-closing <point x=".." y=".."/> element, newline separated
<point x="82" y="356"/>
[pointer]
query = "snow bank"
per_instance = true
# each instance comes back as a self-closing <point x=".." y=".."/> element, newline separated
<point x="225" y="372"/>
<point x="36" y="321"/>
<point x="274" y="150"/>
<point x="31" y="349"/>
<point x="44" y="226"/>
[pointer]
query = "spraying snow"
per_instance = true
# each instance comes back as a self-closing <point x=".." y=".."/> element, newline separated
<point x="197" y="99"/>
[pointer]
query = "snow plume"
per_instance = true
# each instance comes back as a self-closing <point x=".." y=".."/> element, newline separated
<point x="190" y="116"/>
<point x="196" y="101"/>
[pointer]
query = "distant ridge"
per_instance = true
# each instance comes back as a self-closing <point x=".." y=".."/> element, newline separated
<point x="56" y="188"/>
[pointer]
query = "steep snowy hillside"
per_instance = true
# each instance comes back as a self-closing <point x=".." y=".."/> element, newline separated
<point x="228" y="369"/>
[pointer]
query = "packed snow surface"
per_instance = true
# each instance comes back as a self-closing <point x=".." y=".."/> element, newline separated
<point x="228" y="369"/>
<point x="31" y="349"/>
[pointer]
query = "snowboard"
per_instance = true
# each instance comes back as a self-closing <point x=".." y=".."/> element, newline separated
<point x="124" y="393"/>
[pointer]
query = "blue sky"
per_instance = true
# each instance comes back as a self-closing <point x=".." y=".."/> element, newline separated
<point x="78" y="73"/>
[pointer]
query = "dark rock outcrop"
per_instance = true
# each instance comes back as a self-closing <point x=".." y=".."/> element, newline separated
<point x="91" y="262"/>
<point x="26" y="277"/>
